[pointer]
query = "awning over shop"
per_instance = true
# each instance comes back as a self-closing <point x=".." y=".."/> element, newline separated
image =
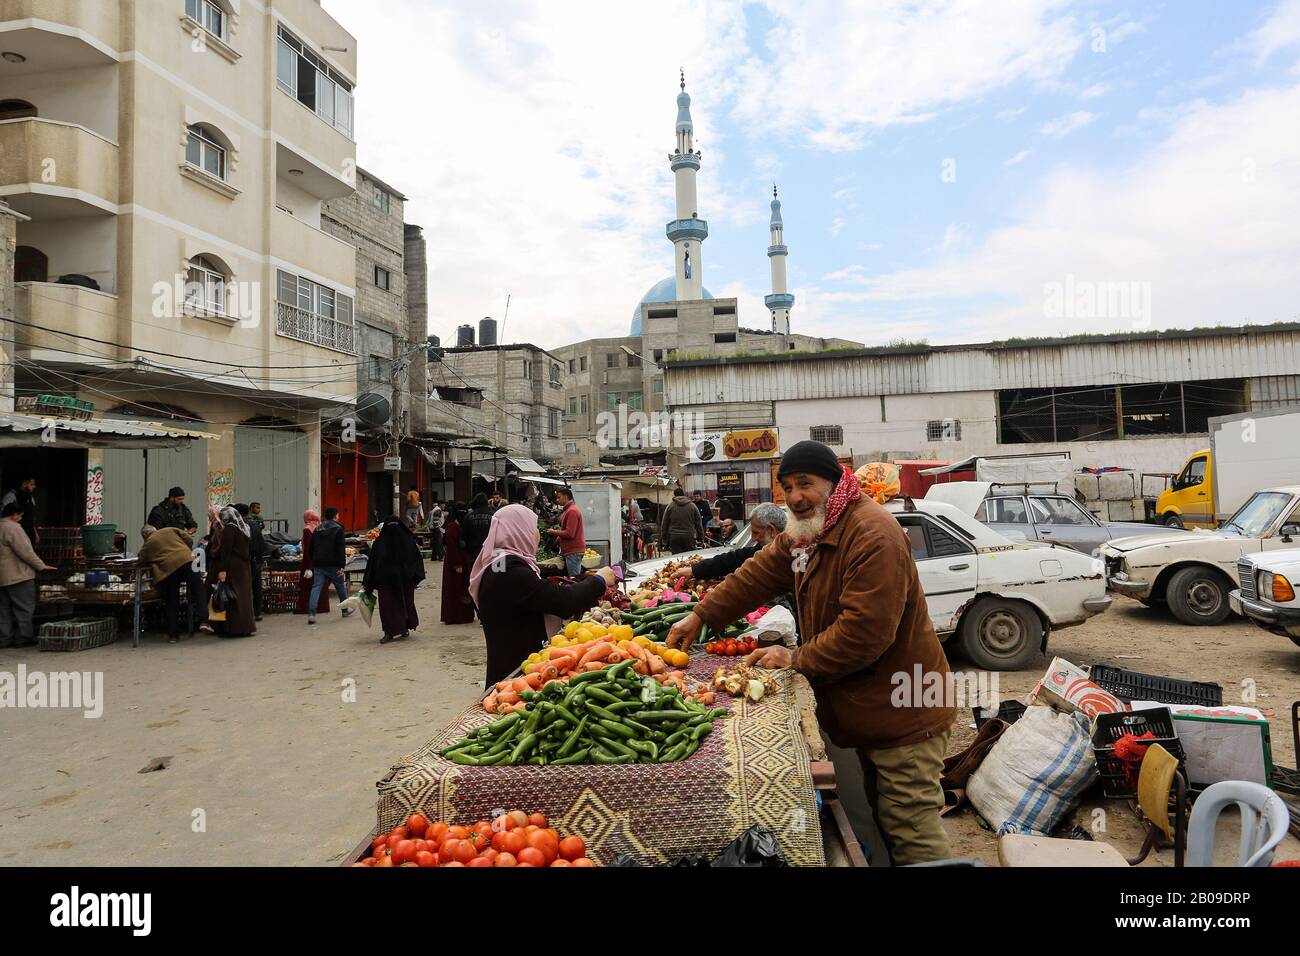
<point x="32" y="431"/>
<point x="527" y="466"/>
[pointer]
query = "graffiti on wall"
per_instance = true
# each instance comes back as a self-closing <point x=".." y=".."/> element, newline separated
<point x="95" y="495"/>
<point x="221" y="486"/>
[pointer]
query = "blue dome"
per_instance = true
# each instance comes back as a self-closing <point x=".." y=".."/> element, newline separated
<point x="683" y="99"/>
<point x="665" y="290"/>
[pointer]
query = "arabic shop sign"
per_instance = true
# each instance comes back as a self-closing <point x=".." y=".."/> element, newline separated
<point x="746" y="444"/>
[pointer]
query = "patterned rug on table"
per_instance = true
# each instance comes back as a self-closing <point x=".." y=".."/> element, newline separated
<point x="753" y="768"/>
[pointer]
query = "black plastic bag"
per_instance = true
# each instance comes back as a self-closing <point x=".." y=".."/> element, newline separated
<point x="223" y="596"/>
<point x="757" y="846"/>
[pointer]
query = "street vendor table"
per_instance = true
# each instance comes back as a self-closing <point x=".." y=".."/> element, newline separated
<point x="762" y="765"/>
<point x="59" y="587"/>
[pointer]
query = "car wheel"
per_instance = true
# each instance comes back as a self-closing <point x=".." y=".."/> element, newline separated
<point x="1198" y="596"/>
<point x="1001" y="635"/>
<point x="1173" y="521"/>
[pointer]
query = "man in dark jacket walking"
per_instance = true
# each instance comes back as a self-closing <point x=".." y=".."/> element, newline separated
<point x="328" y="558"/>
<point x="172" y="512"/>
<point x="474" y="529"/>
<point x="680" y="527"/>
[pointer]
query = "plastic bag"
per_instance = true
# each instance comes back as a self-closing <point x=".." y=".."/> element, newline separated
<point x="879" y="481"/>
<point x="1035" y="773"/>
<point x="757" y="846"/>
<point x="223" y="597"/>
<point x="777" y="626"/>
<point x="364" y="603"/>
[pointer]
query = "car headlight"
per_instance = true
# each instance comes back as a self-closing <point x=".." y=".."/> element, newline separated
<point x="1279" y="588"/>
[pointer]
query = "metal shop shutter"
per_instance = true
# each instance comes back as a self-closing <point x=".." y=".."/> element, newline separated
<point x="271" y="467"/>
<point x="128" y="496"/>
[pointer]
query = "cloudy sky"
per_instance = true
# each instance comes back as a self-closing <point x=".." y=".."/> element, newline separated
<point x="951" y="170"/>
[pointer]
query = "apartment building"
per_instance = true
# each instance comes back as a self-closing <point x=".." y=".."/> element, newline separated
<point x="173" y="158"/>
<point x="8" y="243"/>
<point x="520" y="391"/>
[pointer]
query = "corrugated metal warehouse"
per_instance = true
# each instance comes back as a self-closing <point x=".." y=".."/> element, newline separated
<point x="1138" y="400"/>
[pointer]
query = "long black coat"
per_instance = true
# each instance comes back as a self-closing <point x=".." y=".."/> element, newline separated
<point x="230" y="553"/>
<point x="513" y="604"/>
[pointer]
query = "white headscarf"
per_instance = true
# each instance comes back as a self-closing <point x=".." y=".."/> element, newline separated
<point x="230" y="515"/>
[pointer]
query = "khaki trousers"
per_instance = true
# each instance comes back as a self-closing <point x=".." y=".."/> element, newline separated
<point x="902" y="785"/>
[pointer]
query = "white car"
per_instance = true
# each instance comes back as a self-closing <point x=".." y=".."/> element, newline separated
<point x="1269" y="593"/>
<point x="644" y="569"/>
<point x="999" y="598"/>
<point x="1194" y="573"/>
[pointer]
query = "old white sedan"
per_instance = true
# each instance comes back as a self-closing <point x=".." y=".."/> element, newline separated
<point x="1269" y="594"/>
<point x="999" y="599"/>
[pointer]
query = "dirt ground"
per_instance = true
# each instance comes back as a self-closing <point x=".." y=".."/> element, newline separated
<point x="274" y="762"/>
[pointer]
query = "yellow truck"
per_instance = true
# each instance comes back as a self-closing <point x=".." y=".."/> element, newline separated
<point x="1247" y="452"/>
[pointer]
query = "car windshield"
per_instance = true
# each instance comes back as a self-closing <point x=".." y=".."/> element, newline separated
<point x="1257" y="515"/>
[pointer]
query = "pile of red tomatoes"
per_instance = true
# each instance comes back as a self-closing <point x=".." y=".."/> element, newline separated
<point x="515" y="838"/>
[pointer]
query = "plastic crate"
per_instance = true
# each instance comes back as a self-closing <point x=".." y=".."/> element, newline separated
<point x="1008" y="710"/>
<point x="1134" y="685"/>
<point x="1111" y="727"/>
<point x="77" y="634"/>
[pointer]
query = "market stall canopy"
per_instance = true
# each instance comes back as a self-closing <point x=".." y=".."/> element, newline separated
<point x="657" y="490"/>
<point x="527" y="466"/>
<point x="33" y="431"/>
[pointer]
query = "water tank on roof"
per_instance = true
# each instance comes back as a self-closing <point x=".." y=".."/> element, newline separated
<point x="373" y="410"/>
<point x="487" y="331"/>
<point x="464" y="336"/>
<point x="434" y="341"/>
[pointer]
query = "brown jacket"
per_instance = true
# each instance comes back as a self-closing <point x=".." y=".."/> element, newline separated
<point x="166" y="550"/>
<point x="18" y="559"/>
<point x="862" y="620"/>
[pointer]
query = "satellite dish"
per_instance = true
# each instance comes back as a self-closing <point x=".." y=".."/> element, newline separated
<point x="373" y="410"/>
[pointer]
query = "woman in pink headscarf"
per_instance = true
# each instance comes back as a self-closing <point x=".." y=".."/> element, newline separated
<point x="310" y="522"/>
<point x="513" y="598"/>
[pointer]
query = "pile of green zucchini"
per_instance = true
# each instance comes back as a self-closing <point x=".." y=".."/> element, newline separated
<point x="656" y="622"/>
<point x="606" y="716"/>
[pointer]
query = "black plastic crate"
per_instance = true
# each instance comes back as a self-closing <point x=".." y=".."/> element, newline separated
<point x="1008" y="710"/>
<point x="1111" y="727"/>
<point x="1134" y="685"/>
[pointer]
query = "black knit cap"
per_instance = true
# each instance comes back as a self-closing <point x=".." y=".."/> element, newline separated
<point x="177" y="492"/>
<point x="813" y="458"/>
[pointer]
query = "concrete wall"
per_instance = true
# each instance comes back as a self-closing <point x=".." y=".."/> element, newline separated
<point x="8" y="241"/>
<point x="85" y="246"/>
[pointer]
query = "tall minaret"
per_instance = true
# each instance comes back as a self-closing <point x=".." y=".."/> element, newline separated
<point x="779" y="301"/>
<point x="688" y="231"/>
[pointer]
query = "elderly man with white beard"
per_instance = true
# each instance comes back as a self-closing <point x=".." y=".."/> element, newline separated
<point x="862" y="621"/>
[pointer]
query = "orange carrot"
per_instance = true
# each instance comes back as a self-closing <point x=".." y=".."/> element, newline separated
<point x="593" y="665"/>
<point x="508" y="697"/>
<point x="615" y="657"/>
<point x="535" y="678"/>
<point x="558" y="652"/>
<point x="599" y="652"/>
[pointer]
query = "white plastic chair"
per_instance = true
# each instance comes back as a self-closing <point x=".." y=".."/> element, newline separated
<point x="1264" y="822"/>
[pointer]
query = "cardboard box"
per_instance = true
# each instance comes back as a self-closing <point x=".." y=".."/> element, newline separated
<point x="1066" y="687"/>
<point x="1221" y="743"/>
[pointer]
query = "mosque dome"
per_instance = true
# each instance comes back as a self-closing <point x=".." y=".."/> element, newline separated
<point x="663" y="291"/>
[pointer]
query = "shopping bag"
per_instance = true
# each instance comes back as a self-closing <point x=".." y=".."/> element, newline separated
<point x="213" y="614"/>
<point x="363" y="603"/>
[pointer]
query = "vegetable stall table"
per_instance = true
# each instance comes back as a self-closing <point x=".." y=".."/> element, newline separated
<point x="111" y="582"/>
<point x="762" y="764"/>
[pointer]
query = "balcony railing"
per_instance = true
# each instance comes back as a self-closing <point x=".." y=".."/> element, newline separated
<point x="307" y="326"/>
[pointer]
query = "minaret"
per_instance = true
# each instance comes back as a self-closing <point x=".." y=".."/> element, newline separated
<point x="687" y="232"/>
<point x="779" y="301"/>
